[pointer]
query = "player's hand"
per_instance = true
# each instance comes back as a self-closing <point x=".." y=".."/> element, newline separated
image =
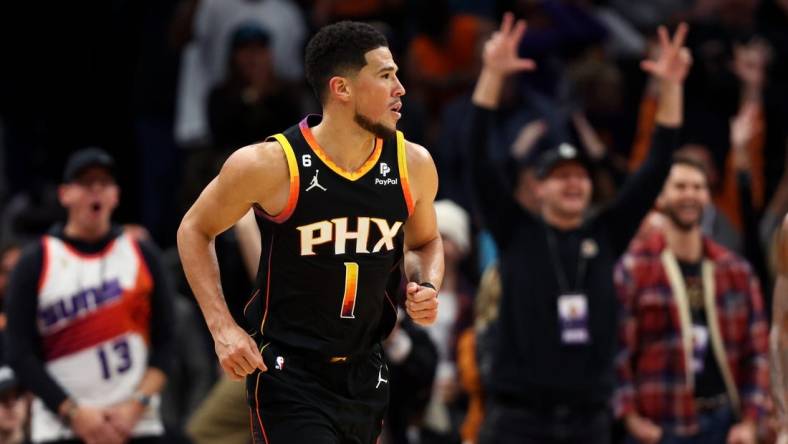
<point x="642" y="429"/>
<point x="124" y="416"/>
<point x="673" y="60"/>
<point x="92" y="426"/>
<point x="500" y="51"/>
<point x="237" y="352"/>
<point x="421" y="303"/>
<point x="743" y="433"/>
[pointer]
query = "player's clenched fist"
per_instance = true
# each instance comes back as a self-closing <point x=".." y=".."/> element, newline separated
<point x="237" y="352"/>
<point x="421" y="303"/>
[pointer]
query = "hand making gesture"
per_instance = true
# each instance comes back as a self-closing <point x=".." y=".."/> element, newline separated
<point x="500" y="59"/>
<point x="500" y="51"/>
<point x="673" y="60"/>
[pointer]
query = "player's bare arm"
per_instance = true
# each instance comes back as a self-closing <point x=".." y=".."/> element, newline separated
<point x="248" y="234"/>
<point x="423" y="245"/>
<point x="255" y="174"/>
<point x="779" y="335"/>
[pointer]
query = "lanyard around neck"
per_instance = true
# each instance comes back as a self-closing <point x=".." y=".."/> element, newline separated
<point x="558" y="265"/>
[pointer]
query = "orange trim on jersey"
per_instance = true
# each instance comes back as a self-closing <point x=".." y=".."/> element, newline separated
<point x="350" y="175"/>
<point x="267" y="285"/>
<point x="402" y="161"/>
<point x="254" y="295"/>
<point x="42" y="278"/>
<point x="292" y="167"/>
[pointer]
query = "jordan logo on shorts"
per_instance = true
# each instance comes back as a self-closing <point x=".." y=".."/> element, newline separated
<point x="280" y="363"/>
<point x="380" y="377"/>
<point x="314" y="183"/>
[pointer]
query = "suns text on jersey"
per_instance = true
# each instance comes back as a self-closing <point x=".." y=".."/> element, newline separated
<point x="78" y="304"/>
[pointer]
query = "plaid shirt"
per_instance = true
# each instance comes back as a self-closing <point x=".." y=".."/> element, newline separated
<point x="651" y="368"/>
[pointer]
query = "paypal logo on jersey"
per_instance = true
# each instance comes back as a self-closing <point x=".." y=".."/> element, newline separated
<point x="384" y="170"/>
<point x="80" y="303"/>
<point x="386" y="181"/>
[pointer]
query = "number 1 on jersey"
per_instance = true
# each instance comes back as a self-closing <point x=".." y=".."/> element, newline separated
<point x="351" y="287"/>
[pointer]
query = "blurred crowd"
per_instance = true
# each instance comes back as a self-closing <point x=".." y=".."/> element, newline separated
<point x="170" y="87"/>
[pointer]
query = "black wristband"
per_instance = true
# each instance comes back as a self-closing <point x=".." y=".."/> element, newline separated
<point x="428" y="284"/>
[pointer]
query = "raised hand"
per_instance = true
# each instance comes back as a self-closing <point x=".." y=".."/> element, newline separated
<point x="526" y="140"/>
<point x="745" y="126"/>
<point x="750" y="61"/>
<point x="595" y="148"/>
<point x="500" y="51"/>
<point x="673" y="59"/>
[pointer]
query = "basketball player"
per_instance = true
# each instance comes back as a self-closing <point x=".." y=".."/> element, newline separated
<point x="779" y="335"/>
<point x="341" y="199"/>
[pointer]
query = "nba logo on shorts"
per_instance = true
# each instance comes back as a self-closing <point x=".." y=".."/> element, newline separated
<point x="280" y="363"/>
<point x="384" y="169"/>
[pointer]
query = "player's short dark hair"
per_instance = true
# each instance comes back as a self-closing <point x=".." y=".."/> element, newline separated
<point x="339" y="49"/>
<point x="681" y="159"/>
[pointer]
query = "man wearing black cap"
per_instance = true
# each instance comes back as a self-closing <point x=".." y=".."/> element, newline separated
<point x="89" y="319"/>
<point x="553" y="356"/>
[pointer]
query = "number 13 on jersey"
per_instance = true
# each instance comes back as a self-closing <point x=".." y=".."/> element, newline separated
<point x="351" y="289"/>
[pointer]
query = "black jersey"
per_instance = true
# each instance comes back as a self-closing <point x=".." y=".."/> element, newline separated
<point x="329" y="258"/>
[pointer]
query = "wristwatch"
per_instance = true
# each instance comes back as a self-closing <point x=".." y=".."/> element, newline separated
<point x="68" y="411"/>
<point x="142" y="398"/>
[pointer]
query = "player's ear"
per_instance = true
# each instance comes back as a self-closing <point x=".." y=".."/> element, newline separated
<point x="339" y="87"/>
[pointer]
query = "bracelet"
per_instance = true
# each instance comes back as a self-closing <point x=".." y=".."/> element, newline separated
<point x="428" y="284"/>
<point x="68" y="413"/>
<point x="142" y="398"/>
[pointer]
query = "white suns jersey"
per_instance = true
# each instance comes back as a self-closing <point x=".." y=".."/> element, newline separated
<point x="93" y="316"/>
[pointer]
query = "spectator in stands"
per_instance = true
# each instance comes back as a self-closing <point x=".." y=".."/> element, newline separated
<point x="443" y="415"/>
<point x="89" y="319"/>
<point x="692" y="364"/>
<point x="474" y="353"/>
<point x="14" y="401"/>
<point x="204" y="61"/>
<point x="556" y="341"/>
<point x="9" y="256"/>
<point x="14" y="405"/>
<point x="251" y="103"/>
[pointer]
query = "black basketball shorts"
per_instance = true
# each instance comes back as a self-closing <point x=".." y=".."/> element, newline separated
<point x="303" y="400"/>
